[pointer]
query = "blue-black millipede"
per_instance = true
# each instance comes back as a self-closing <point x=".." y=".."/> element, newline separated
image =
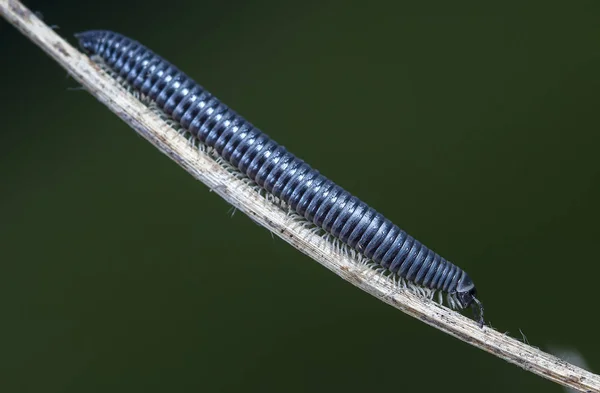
<point x="273" y="168"/>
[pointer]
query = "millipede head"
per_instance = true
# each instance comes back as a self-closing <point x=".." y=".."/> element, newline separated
<point x="466" y="294"/>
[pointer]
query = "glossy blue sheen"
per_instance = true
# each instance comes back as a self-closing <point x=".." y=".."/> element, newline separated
<point x="272" y="167"/>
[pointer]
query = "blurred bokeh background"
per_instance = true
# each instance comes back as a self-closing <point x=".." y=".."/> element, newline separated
<point x="472" y="125"/>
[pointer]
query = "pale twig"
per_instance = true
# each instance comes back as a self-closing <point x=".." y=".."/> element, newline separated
<point x="270" y="215"/>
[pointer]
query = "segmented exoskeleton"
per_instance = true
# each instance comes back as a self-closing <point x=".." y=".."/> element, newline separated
<point x="273" y="168"/>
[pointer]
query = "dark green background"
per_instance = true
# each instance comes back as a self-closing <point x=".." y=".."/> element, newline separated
<point x="472" y="125"/>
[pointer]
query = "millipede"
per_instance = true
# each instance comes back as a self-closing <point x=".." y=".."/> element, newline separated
<point x="286" y="177"/>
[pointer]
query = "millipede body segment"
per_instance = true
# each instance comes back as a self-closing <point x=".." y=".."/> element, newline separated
<point x="273" y="168"/>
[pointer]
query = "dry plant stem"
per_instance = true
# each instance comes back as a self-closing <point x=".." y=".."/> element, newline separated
<point x="272" y="217"/>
